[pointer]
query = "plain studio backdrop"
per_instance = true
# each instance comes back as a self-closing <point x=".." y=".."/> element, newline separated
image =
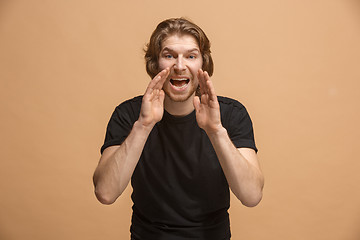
<point x="65" y="65"/>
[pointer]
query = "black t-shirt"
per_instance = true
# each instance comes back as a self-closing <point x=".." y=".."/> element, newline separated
<point x="179" y="189"/>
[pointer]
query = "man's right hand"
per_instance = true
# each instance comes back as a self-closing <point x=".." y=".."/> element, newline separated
<point x="117" y="163"/>
<point x="152" y="107"/>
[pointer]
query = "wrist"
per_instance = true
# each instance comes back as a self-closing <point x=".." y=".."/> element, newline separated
<point x="145" y="128"/>
<point x="218" y="132"/>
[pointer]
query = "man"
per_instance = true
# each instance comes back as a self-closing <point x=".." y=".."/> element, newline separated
<point x="180" y="144"/>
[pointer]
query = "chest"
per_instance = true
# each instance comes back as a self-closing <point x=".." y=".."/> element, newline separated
<point x="180" y="154"/>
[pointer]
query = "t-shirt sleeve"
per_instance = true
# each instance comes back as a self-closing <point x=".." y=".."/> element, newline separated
<point x="119" y="126"/>
<point x="240" y="128"/>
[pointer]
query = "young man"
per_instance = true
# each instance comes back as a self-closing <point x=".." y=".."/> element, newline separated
<point x="180" y="144"/>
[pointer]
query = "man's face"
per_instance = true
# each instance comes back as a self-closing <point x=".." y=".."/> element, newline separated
<point x="182" y="55"/>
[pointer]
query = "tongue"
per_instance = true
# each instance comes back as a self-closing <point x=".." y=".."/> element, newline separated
<point x="179" y="83"/>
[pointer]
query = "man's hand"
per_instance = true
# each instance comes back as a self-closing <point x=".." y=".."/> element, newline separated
<point x="207" y="106"/>
<point x="118" y="162"/>
<point x="152" y="107"/>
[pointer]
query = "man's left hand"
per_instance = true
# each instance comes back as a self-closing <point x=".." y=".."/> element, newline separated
<point x="207" y="105"/>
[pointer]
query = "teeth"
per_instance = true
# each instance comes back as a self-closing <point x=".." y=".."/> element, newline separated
<point x="179" y="79"/>
<point x="180" y="87"/>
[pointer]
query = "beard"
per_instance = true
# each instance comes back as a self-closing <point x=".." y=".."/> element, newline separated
<point x="183" y="97"/>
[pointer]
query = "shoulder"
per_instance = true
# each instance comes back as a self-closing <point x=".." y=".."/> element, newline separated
<point x="228" y="104"/>
<point x="133" y="102"/>
<point x="237" y="122"/>
<point x="233" y="113"/>
<point x="129" y="109"/>
<point x="133" y="105"/>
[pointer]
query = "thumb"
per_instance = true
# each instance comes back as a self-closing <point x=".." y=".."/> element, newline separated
<point x="162" y="96"/>
<point x="197" y="103"/>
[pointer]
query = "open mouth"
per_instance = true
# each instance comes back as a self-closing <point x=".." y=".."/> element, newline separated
<point x="179" y="82"/>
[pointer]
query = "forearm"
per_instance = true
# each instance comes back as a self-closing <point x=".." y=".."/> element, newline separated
<point x="117" y="165"/>
<point x="243" y="174"/>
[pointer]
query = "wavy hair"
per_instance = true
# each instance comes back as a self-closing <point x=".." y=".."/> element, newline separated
<point x="171" y="27"/>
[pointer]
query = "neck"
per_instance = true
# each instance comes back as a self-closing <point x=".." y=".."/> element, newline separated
<point x="179" y="108"/>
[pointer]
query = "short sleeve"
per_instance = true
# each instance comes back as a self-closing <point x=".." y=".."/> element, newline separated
<point x="121" y="123"/>
<point x="239" y="126"/>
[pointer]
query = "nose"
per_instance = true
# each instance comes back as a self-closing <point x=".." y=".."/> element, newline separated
<point x="179" y="65"/>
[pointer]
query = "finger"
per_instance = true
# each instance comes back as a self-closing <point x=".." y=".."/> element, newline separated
<point x="204" y="99"/>
<point x="150" y="88"/>
<point x="201" y="81"/>
<point x="155" y="81"/>
<point x="210" y="87"/>
<point x="196" y="103"/>
<point x="155" y="94"/>
<point x="161" y="96"/>
<point x="206" y="79"/>
<point x="164" y="74"/>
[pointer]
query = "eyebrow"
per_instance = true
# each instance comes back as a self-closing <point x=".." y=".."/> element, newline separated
<point x="172" y="50"/>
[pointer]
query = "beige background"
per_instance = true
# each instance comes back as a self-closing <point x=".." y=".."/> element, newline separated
<point x="65" y="65"/>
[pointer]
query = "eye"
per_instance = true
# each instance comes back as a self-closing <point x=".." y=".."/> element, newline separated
<point x="192" y="56"/>
<point x="169" y="56"/>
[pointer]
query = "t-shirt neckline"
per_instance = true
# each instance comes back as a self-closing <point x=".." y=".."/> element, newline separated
<point x="171" y="118"/>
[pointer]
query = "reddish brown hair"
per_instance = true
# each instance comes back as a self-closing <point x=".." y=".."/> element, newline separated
<point x="176" y="26"/>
